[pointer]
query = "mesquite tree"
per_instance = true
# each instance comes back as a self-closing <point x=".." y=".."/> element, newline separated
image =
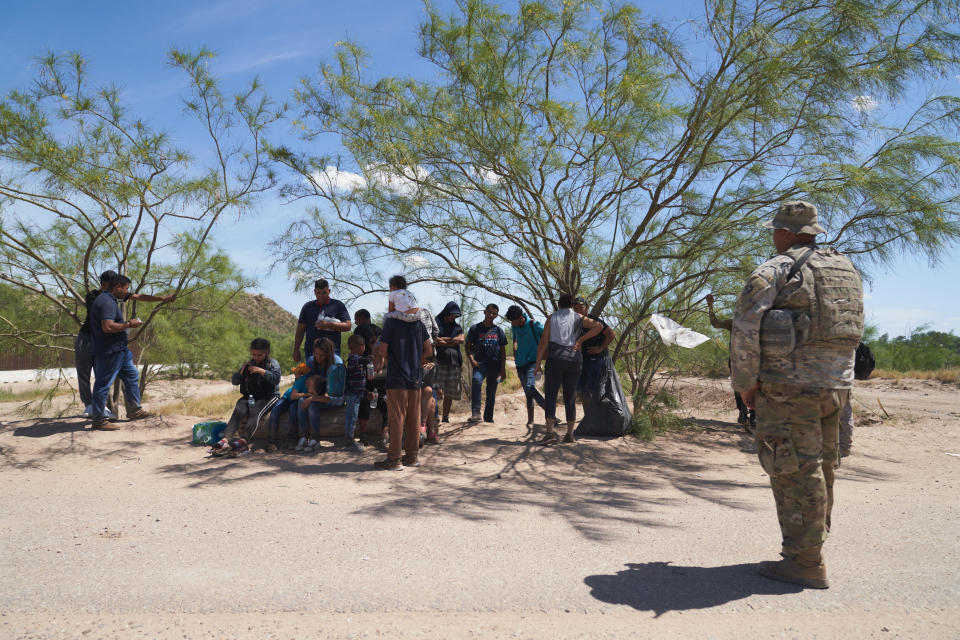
<point x="584" y="147"/>
<point x="86" y="185"/>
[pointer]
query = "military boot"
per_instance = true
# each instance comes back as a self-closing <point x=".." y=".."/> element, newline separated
<point x="806" y="568"/>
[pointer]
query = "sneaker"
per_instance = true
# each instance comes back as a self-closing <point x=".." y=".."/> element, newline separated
<point x="301" y="443"/>
<point x="474" y="418"/>
<point x="87" y="411"/>
<point x="410" y="461"/>
<point x="312" y="445"/>
<point x="433" y="439"/>
<point x="388" y="465"/>
<point x="110" y="415"/>
<point x="139" y="414"/>
<point x="356" y="447"/>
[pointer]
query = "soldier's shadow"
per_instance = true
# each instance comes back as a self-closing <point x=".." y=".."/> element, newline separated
<point x="662" y="587"/>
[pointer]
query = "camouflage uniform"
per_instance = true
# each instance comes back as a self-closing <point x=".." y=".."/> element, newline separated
<point x="802" y="388"/>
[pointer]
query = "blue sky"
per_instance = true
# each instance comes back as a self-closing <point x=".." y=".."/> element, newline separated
<point x="126" y="43"/>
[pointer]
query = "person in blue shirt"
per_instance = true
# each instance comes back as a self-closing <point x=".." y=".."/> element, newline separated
<point x="526" y="337"/>
<point x="325" y="384"/>
<point x="288" y="403"/>
<point x="323" y="317"/>
<point x="487" y="348"/>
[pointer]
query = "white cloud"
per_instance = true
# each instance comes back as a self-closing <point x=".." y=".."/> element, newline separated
<point x="338" y="180"/>
<point x="415" y="262"/>
<point x="399" y="183"/>
<point x="864" y="104"/>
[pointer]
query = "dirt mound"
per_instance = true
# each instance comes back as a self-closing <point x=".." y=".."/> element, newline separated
<point x="263" y="313"/>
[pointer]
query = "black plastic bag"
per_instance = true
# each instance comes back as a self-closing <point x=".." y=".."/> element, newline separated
<point x="607" y="414"/>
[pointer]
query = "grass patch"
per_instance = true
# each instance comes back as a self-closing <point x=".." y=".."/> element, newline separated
<point x="7" y="394"/>
<point x="214" y="407"/>
<point x="950" y="376"/>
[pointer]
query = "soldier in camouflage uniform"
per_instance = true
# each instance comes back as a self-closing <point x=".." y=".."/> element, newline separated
<point x="796" y="326"/>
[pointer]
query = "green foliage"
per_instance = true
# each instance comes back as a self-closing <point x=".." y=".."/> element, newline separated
<point x="655" y="417"/>
<point x="920" y="350"/>
<point x="584" y="147"/>
<point x="86" y="185"/>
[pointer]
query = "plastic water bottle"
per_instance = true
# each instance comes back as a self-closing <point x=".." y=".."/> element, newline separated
<point x="538" y="376"/>
<point x="250" y="400"/>
<point x="373" y="399"/>
<point x="369" y="371"/>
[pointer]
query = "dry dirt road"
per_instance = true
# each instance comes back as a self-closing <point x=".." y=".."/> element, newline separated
<point x="135" y="534"/>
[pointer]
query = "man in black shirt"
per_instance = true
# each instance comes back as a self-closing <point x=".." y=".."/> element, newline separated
<point x="83" y="345"/>
<point x="324" y="317"/>
<point x="405" y="346"/>
<point x="487" y="348"/>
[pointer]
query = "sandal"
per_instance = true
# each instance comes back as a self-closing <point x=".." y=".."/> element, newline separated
<point x="550" y="438"/>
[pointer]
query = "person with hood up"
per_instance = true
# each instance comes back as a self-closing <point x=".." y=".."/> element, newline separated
<point x="526" y="336"/>
<point x="449" y="356"/>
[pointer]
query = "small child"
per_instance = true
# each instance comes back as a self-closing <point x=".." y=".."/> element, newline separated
<point x="355" y="389"/>
<point x="288" y="402"/>
<point x="258" y="379"/>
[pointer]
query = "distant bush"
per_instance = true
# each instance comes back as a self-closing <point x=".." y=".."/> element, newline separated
<point x="921" y="350"/>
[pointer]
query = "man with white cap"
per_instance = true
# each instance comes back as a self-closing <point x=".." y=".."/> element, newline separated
<point x="795" y="328"/>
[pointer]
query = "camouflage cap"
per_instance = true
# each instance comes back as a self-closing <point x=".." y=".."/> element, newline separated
<point x="796" y="216"/>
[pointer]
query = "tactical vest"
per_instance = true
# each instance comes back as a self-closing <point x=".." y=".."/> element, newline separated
<point x="822" y="303"/>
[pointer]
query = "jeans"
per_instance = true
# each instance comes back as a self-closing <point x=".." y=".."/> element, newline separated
<point x="315" y="413"/>
<point x="484" y="371"/>
<point x="352" y="402"/>
<point x="566" y="374"/>
<point x="290" y="406"/>
<point x="106" y="368"/>
<point x="529" y="384"/>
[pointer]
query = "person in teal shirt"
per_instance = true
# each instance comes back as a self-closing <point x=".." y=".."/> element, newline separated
<point x="526" y="337"/>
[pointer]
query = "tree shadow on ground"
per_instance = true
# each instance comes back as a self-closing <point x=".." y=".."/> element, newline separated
<point x="45" y="427"/>
<point x="213" y="471"/>
<point x="661" y="587"/>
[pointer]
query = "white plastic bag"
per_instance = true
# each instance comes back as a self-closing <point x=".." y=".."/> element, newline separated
<point x="672" y="333"/>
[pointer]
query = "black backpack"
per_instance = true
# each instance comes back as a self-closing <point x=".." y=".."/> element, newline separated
<point x="863" y="362"/>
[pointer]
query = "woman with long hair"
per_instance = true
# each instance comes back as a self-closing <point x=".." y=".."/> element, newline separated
<point x="325" y="385"/>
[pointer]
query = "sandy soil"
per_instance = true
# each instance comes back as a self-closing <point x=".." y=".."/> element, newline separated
<point x="136" y="534"/>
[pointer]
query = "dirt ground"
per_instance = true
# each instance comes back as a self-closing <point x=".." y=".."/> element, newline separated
<point x="137" y="534"/>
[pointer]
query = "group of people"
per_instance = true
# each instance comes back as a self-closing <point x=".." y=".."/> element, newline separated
<point x="411" y="370"/>
<point x="795" y="329"/>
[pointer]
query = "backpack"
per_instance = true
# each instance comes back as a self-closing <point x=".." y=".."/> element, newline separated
<point x="863" y="362"/>
<point x="825" y="305"/>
